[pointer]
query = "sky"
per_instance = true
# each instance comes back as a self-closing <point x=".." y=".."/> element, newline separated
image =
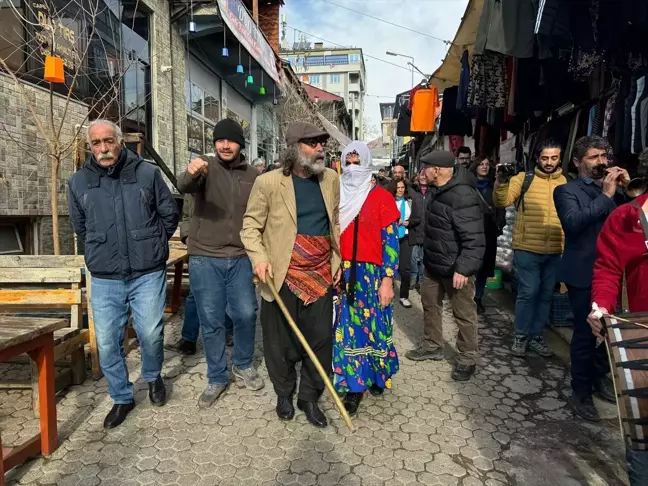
<point x="337" y="25"/>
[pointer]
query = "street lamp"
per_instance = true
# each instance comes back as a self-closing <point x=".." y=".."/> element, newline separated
<point x="396" y="54"/>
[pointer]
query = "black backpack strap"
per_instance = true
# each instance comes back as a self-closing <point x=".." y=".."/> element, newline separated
<point x="528" y="179"/>
<point x="643" y="219"/>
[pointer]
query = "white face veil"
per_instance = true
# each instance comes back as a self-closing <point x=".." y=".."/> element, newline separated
<point x="355" y="182"/>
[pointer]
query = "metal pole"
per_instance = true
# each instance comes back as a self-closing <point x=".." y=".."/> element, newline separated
<point x="412" y="66"/>
<point x="353" y="114"/>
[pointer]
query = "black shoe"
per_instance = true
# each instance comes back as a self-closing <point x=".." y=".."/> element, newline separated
<point x="183" y="347"/>
<point x="157" y="392"/>
<point x="375" y="390"/>
<point x="117" y="415"/>
<point x="480" y="307"/>
<point x="313" y="413"/>
<point x="462" y="372"/>
<point x="583" y="406"/>
<point x="352" y="402"/>
<point x="604" y="389"/>
<point x="417" y="287"/>
<point x="285" y="409"/>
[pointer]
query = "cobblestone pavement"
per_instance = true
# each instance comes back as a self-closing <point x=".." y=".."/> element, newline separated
<point x="508" y="425"/>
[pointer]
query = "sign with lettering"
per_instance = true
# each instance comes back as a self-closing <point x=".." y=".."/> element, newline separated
<point x="240" y="22"/>
<point x="52" y="36"/>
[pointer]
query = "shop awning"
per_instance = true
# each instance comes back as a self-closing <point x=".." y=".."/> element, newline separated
<point x="333" y="131"/>
<point x="447" y="74"/>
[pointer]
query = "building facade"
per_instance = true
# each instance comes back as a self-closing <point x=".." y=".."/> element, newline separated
<point x="340" y="71"/>
<point x="166" y="70"/>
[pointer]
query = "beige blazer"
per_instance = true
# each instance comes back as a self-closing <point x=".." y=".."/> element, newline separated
<point x="270" y="222"/>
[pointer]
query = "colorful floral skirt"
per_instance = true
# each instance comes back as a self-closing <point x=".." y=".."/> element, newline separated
<point x="363" y="350"/>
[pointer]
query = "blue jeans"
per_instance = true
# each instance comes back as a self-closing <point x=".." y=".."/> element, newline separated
<point x="221" y="284"/>
<point x="480" y="285"/>
<point x="536" y="281"/>
<point x="191" y="324"/>
<point x="637" y="467"/>
<point x="111" y="301"/>
<point x="417" y="264"/>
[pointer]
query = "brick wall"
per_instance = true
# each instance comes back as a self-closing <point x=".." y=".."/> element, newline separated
<point x="269" y="23"/>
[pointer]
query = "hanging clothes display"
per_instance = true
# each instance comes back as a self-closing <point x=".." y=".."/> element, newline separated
<point x="464" y="81"/>
<point x="487" y="87"/>
<point x="403" y="115"/>
<point x="506" y="27"/>
<point x="642" y="94"/>
<point x="425" y="107"/>
<point x="454" y="121"/>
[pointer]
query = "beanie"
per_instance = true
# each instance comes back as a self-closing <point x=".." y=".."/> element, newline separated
<point x="231" y="130"/>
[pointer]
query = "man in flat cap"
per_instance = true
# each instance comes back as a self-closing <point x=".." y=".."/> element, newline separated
<point x="291" y="233"/>
<point x="453" y="252"/>
<point x="219" y="269"/>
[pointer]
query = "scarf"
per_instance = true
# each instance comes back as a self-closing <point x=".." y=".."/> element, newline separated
<point x="402" y="207"/>
<point x="355" y="183"/>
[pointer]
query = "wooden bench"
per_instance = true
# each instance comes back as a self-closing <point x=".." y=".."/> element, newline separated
<point x="36" y="284"/>
<point x="36" y="338"/>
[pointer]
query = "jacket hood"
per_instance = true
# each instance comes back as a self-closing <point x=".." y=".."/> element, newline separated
<point x="128" y="160"/>
<point x="461" y="177"/>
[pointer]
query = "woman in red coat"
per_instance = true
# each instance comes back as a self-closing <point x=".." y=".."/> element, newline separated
<point x="623" y="247"/>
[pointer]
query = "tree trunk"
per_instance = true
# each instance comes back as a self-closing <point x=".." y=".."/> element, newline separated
<point x="54" y="203"/>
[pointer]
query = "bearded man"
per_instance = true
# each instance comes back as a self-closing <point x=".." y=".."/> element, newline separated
<point x="296" y="208"/>
<point x="219" y="270"/>
<point x="125" y="215"/>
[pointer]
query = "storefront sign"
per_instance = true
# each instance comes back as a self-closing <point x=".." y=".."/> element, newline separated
<point x="50" y="32"/>
<point x="248" y="34"/>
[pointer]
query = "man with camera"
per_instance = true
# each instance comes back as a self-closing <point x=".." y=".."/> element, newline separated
<point x="537" y="243"/>
<point x="583" y="205"/>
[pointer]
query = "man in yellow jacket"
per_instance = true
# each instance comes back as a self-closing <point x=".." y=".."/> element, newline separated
<point x="537" y="243"/>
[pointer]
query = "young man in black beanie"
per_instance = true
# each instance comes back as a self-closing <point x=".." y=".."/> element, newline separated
<point x="219" y="269"/>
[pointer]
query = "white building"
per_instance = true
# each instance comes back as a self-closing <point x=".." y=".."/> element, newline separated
<point x="340" y="71"/>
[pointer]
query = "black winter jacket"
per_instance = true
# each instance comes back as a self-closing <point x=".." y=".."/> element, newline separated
<point x="454" y="230"/>
<point x="417" y="232"/>
<point x="125" y="215"/>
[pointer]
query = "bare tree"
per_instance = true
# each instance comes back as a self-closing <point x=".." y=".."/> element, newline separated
<point x="94" y="69"/>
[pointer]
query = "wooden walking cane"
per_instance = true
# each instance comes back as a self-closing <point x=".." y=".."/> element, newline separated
<point x="310" y="352"/>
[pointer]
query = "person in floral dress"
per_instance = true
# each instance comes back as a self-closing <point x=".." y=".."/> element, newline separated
<point x="364" y="356"/>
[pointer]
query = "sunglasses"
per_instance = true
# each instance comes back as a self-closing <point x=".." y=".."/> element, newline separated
<point x="314" y="142"/>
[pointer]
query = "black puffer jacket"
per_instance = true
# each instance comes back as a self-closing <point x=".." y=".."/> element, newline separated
<point x="124" y="214"/>
<point x="454" y="230"/>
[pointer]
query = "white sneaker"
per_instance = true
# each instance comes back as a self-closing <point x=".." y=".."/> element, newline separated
<point x="406" y="303"/>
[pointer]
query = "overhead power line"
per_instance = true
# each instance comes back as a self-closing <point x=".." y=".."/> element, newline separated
<point x="387" y="22"/>
<point x="347" y="47"/>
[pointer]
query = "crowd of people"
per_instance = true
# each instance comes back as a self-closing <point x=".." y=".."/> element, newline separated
<point x="332" y="247"/>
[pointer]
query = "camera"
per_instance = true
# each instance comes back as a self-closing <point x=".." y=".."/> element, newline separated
<point x="507" y="170"/>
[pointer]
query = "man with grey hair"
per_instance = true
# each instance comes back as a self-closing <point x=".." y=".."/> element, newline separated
<point x="259" y="164"/>
<point x="291" y="233"/>
<point x="124" y="214"/>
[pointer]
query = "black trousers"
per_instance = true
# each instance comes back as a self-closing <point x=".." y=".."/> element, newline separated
<point x="588" y="363"/>
<point x="405" y="266"/>
<point x="282" y="349"/>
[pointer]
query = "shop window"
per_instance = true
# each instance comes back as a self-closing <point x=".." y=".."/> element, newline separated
<point x="10" y="240"/>
<point x="334" y="78"/>
<point x="337" y="59"/>
<point x="194" y="98"/>
<point x="136" y="82"/>
<point x="13" y="35"/>
<point x="195" y="135"/>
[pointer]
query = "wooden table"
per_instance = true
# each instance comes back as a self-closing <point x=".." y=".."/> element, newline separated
<point x="35" y="337"/>
<point x="177" y="257"/>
